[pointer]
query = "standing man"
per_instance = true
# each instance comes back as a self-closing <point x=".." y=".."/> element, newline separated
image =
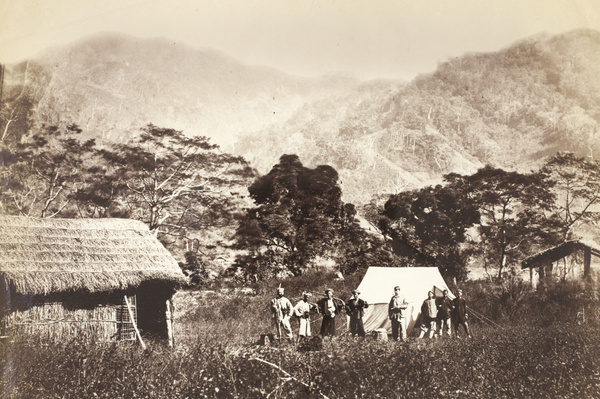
<point x="428" y="314"/>
<point x="282" y="310"/>
<point x="302" y="311"/>
<point x="355" y="308"/>
<point x="329" y="307"/>
<point x="460" y="314"/>
<point x="396" y="313"/>
<point x="444" y="315"/>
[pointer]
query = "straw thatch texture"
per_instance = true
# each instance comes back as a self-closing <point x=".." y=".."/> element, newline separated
<point x="52" y="321"/>
<point x="43" y="256"/>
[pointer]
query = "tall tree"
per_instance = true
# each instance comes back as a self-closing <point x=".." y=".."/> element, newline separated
<point x="577" y="186"/>
<point x="429" y="225"/>
<point x="42" y="174"/>
<point x="515" y="212"/>
<point x="174" y="183"/>
<point x="297" y="219"/>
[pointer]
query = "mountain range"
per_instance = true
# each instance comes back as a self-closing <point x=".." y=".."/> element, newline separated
<point x="511" y="108"/>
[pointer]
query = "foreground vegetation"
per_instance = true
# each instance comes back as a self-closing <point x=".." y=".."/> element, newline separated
<point x="541" y="348"/>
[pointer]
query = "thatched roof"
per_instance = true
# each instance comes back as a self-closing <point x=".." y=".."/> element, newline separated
<point x="558" y="252"/>
<point x="42" y="256"/>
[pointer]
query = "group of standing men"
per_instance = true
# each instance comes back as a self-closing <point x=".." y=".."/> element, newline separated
<point x="329" y="306"/>
<point x="436" y="312"/>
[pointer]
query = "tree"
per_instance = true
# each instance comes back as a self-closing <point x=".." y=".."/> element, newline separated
<point x="20" y="87"/>
<point x="515" y="212"/>
<point x="429" y="225"/>
<point x="43" y="174"/>
<point x="357" y="249"/>
<point x="577" y="187"/>
<point x="297" y="219"/>
<point x="194" y="268"/>
<point x="174" y="183"/>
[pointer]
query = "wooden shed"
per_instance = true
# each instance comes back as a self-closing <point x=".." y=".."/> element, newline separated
<point x="89" y="278"/>
<point x="544" y="262"/>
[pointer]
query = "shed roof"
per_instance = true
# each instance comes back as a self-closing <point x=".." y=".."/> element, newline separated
<point x="42" y="256"/>
<point x="558" y="252"/>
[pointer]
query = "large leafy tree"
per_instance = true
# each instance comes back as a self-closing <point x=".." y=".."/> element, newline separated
<point x="299" y="217"/>
<point x="577" y="187"/>
<point x="429" y="225"/>
<point x="515" y="210"/>
<point x="174" y="183"/>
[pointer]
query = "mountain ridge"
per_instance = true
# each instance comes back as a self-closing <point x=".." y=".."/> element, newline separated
<point x="510" y="108"/>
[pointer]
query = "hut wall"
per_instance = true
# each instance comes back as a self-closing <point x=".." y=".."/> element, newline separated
<point x="100" y="317"/>
<point x="53" y="321"/>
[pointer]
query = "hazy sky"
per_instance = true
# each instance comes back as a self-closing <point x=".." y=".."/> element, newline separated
<point x="368" y="38"/>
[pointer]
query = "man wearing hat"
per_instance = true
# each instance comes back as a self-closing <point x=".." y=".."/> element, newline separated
<point x="302" y="311"/>
<point x="355" y="308"/>
<point x="460" y="314"/>
<point x="396" y="310"/>
<point x="282" y="310"/>
<point x="329" y="307"/>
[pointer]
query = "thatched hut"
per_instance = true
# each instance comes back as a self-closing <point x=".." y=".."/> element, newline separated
<point x="96" y="278"/>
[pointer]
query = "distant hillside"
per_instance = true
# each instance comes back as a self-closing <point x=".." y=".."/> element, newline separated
<point x="509" y="108"/>
<point x="111" y="84"/>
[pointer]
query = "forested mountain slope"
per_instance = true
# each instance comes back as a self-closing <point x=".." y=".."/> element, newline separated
<point x="509" y="108"/>
<point x="112" y="84"/>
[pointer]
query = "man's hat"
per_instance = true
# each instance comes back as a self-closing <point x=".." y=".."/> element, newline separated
<point x="328" y="290"/>
<point x="356" y="291"/>
<point x="280" y="290"/>
<point x="396" y="287"/>
<point x="306" y="293"/>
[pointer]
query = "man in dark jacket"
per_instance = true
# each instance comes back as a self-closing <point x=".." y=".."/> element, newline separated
<point x="429" y="315"/>
<point x="329" y="307"/>
<point x="460" y="314"/>
<point x="355" y="308"/>
<point x="444" y="316"/>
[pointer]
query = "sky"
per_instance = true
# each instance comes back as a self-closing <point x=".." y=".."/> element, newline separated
<point x="367" y="38"/>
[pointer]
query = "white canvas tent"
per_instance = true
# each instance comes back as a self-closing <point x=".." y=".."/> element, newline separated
<point x="377" y="288"/>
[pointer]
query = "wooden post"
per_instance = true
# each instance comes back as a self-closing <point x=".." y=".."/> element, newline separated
<point x="169" y="316"/>
<point x="587" y="261"/>
<point x="531" y="277"/>
<point x="137" y="332"/>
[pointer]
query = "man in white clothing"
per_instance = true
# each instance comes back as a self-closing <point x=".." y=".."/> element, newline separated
<point x="282" y="310"/>
<point x="302" y="311"/>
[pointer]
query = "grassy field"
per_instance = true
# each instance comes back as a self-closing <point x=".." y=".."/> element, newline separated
<point x="541" y="349"/>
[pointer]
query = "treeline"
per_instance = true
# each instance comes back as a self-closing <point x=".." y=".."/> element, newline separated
<point x="295" y="220"/>
<point x="194" y="197"/>
<point x="493" y="217"/>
